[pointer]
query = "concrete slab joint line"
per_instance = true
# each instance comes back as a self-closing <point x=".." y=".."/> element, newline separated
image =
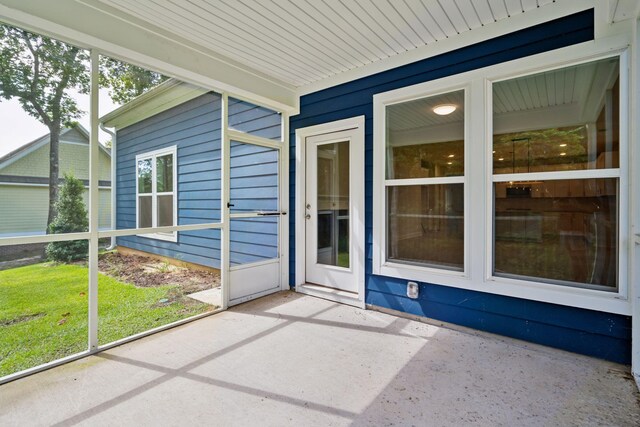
<point x="290" y="359"/>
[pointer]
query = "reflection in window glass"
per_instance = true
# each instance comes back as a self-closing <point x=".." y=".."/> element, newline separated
<point x="566" y="119"/>
<point x="144" y="176"/>
<point x="164" y="173"/>
<point x="426" y="225"/>
<point x="557" y="231"/>
<point x="425" y="137"/>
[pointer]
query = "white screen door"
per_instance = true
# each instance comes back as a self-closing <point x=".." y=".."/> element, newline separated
<point x="334" y="210"/>
<point x="255" y="215"/>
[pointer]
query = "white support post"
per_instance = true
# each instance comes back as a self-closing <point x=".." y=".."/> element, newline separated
<point x="634" y="145"/>
<point x="94" y="170"/>
<point x="225" y="174"/>
<point x="284" y="204"/>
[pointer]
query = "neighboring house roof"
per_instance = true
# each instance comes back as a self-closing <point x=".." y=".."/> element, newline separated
<point x="77" y="135"/>
<point x="166" y="95"/>
<point x="30" y="147"/>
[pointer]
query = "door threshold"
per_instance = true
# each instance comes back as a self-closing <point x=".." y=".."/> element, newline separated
<point x="331" y="294"/>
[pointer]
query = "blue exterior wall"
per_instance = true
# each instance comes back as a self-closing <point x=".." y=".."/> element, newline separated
<point x="598" y="334"/>
<point x="194" y="127"/>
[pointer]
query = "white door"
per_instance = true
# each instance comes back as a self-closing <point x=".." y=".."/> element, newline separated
<point x="334" y="210"/>
<point x="255" y="220"/>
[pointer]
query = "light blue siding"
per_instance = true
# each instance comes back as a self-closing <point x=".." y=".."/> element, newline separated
<point x="194" y="127"/>
<point x="254" y="120"/>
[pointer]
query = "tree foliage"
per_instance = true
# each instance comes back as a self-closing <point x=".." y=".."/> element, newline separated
<point x="71" y="217"/>
<point x="126" y="81"/>
<point x="39" y="72"/>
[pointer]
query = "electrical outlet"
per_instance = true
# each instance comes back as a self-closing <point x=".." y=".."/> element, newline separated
<point x="412" y="290"/>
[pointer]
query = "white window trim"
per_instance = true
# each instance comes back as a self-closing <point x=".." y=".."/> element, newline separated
<point x="478" y="210"/>
<point x="169" y="236"/>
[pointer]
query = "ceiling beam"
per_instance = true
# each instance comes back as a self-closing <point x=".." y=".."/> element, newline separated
<point x="93" y="25"/>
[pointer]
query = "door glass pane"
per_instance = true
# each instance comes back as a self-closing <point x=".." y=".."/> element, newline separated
<point x="165" y="210"/>
<point x="164" y="173"/>
<point x="144" y="212"/>
<point x="254" y="178"/>
<point x="426" y="225"/>
<point x="562" y="231"/>
<point x="144" y="176"/>
<point x="333" y="204"/>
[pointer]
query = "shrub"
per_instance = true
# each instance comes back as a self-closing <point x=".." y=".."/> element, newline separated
<point x="71" y="217"/>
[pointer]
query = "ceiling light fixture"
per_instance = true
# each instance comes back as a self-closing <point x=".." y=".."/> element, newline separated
<point x="563" y="154"/>
<point x="444" y="109"/>
<point x="451" y="156"/>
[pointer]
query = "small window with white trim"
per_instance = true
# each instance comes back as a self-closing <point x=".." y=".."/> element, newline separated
<point x="556" y="156"/>
<point x="156" y="192"/>
<point x="424" y="185"/>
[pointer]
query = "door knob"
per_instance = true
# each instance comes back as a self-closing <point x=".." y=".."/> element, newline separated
<point x="307" y="216"/>
<point x="308" y="206"/>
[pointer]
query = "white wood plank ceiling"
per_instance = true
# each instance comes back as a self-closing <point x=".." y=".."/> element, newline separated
<point x="303" y="41"/>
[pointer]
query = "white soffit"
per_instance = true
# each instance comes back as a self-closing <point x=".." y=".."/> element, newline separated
<point x="302" y="42"/>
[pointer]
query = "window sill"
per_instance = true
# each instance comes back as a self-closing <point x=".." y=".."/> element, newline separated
<point x="166" y="237"/>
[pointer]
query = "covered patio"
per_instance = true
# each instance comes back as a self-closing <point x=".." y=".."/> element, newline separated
<point x="289" y="359"/>
<point x="361" y="212"/>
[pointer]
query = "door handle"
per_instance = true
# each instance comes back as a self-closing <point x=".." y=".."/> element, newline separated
<point x="271" y="213"/>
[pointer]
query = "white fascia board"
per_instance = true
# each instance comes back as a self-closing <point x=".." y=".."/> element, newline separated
<point x="514" y="23"/>
<point x="93" y="25"/>
<point x="161" y="98"/>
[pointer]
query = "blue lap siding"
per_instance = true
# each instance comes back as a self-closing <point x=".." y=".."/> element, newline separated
<point x="194" y="127"/>
<point x="589" y="332"/>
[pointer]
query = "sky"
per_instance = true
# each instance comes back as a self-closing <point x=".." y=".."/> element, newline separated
<point x="17" y="128"/>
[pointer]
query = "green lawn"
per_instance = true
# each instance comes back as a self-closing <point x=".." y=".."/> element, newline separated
<point x="43" y="312"/>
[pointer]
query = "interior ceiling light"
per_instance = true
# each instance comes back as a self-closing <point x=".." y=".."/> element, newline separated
<point x="563" y="154"/>
<point x="444" y="109"/>
<point x="451" y="156"/>
<point x="563" y="145"/>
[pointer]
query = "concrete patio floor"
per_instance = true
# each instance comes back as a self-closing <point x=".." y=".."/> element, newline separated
<point x="290" y="359"/>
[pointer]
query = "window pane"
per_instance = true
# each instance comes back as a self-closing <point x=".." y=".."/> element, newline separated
<point x="566" y="119"/>
<point x="333" y="204"/>
<point x="144" y="212"/>
<point x="144" y="176"/>
<point x="558" y="231"/>
<point x="425" y="137"/>
<point x="165" y="211"/>
<point x="164" y="173"/>
<point x="426" y="225"/>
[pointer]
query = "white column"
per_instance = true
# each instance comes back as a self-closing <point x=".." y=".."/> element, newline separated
<point x="225" y="173"/>
<point x="94" y="170"/>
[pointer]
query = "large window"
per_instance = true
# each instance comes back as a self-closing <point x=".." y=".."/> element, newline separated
<point x="425" y="181"/>
<point x="511" y="179"/>
<point x="156" y="191"/>
<point x="556" y="149"/>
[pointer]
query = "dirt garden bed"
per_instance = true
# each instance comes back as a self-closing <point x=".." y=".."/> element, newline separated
<point x="147" y="272"/>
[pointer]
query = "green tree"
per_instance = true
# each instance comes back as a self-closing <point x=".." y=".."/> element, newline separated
<point x="71" y="217"/>
<point x="126" y="81"/>
<point x="38" y="72"/>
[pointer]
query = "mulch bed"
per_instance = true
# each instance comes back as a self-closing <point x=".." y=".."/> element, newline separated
<point x="149" y="272"/>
